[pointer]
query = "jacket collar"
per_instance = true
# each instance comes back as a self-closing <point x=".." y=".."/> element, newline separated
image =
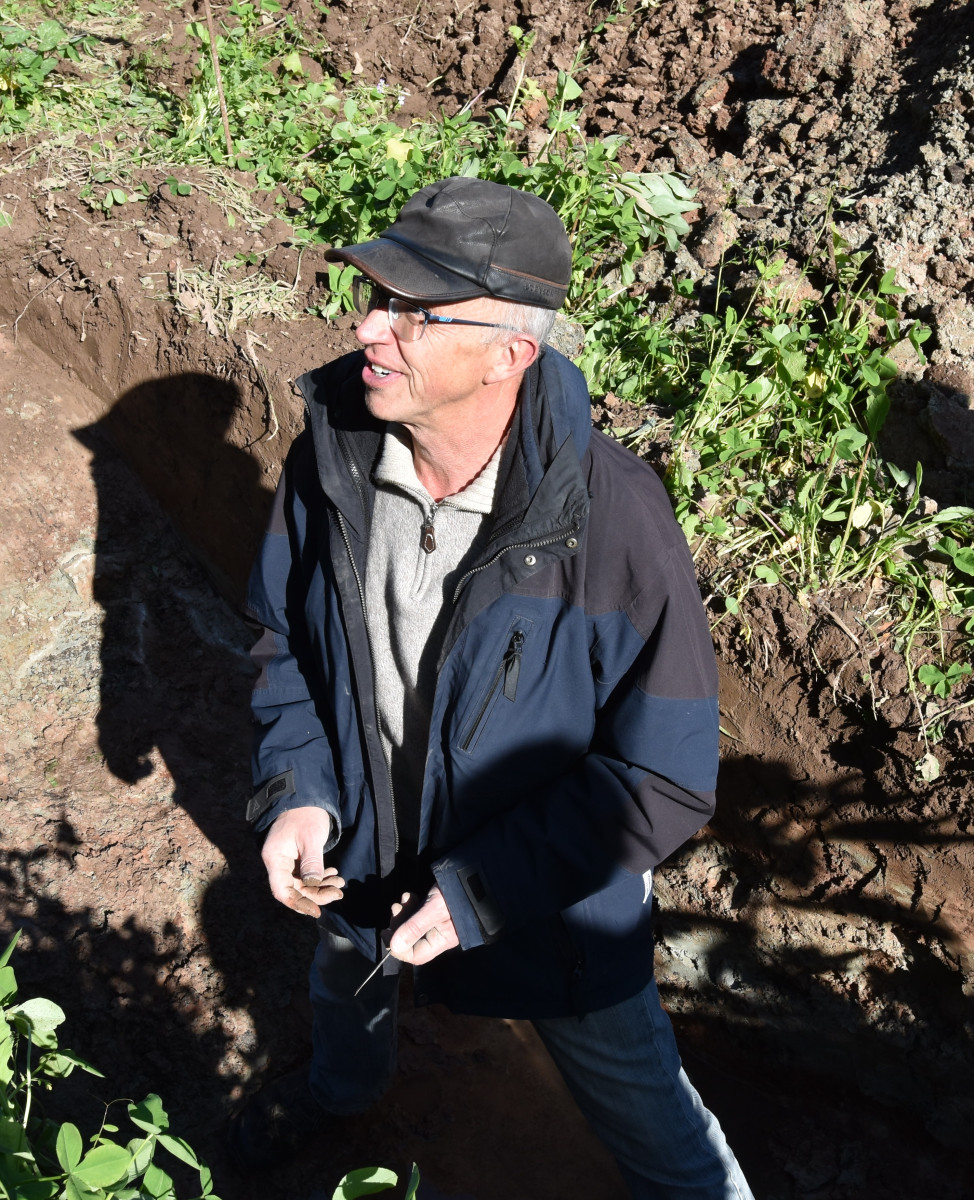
<point x="551" y="433"/>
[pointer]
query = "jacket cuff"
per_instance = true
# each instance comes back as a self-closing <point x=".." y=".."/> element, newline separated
<point x="279" y="795"/>
<point x="476" y="917"/>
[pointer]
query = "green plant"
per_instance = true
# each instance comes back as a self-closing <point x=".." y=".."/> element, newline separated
<point x="28" y="57"/>
<point x="943" y="679"/>
<point x="41" y="1159"/>
<point x="778" y="393"/>
<point x="369" y="1180"/>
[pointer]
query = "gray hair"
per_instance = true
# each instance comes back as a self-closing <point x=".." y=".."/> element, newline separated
<point x="519" y="318"/>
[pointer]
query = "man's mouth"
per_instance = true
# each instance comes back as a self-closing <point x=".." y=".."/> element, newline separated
<point x="375" y="375"/>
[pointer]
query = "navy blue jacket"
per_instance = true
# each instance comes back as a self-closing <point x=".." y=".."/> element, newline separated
<point x="573" y="741"/>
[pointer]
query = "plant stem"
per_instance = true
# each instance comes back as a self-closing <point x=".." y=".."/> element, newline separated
<point x="836" y="562"/>
<point x="215" y="58"/>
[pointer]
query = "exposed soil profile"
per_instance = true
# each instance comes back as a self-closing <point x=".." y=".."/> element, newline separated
<point x="816" y="942"/>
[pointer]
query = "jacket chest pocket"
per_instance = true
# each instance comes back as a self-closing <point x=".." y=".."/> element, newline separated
<point x="501" y="686"/>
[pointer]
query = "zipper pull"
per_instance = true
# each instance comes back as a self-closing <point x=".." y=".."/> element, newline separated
<point x="428" y="538"/>
<point x="512" y="664"/>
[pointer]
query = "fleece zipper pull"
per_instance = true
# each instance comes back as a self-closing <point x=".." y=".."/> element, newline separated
<point x="428" y="538"/>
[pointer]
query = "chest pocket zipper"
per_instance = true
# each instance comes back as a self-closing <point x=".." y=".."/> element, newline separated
<point x="507" y="674"/>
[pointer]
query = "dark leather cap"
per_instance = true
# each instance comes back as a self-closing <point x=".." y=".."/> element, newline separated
<point x="461" y="238"/>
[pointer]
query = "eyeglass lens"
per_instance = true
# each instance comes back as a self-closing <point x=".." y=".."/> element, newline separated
<point x="406" y="319"/>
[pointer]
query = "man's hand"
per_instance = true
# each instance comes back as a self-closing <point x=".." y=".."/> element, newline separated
<point x="426" y="934"/>
<point x="293" y="854"/>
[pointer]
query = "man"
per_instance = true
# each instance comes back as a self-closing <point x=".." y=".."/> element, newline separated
<point x="487" y="695"/>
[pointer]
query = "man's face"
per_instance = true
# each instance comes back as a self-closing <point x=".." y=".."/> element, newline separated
<point x="429" y="382"/>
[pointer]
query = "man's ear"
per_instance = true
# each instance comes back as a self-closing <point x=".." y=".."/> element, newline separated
<point x="513" y="358"/>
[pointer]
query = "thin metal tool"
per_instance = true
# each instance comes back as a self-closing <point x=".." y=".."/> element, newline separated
<point x="374" y="971"/>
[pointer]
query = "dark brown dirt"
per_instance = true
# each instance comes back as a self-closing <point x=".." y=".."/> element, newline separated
<point x="817" y="944"/>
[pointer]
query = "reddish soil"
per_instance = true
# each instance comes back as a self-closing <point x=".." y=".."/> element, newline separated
<point x="816" y="943"/>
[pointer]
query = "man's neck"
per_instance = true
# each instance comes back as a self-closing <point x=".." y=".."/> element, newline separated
<point x="447" y="460"/>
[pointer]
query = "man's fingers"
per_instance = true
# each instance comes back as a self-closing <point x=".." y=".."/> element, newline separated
<point x="312" y="865"/>
<point x="426" y="934"/>
<point x="309" y="901"/>
<point x="301" y="904"/>
<point x="303" y="895"/>
<point x="433" y="943"/>
<point x="329" y="876"/>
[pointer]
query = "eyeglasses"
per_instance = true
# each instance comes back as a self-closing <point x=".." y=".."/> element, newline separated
<point x="407" y="321"/>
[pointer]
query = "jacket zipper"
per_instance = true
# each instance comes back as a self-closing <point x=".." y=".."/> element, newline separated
<point x="535" y="545"/>
<point x="508" y="671"/>
<point x="356" y="477"/>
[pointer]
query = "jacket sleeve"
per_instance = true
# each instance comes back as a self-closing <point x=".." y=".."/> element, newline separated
<point x="293" y="765"/>
<point x="645" y="785"/>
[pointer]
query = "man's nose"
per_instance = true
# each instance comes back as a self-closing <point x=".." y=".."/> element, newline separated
<point x="374" y="327"/>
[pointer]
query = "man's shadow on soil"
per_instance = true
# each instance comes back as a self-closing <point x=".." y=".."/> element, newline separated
<point x="175" y="679"/>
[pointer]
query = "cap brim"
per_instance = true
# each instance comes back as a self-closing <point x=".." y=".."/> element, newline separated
<point x="406" y="274"/>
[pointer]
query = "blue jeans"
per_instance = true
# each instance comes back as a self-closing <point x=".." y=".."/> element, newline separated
<point x="621" y="1065"/>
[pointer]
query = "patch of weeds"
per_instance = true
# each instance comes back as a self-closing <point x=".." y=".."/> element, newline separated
<point x="41" y="1159"/>
<point x="29" y="57"/>
<point x="276" y="113"/>
<point x="778" y="403"/>
<point x="942" y="679"/>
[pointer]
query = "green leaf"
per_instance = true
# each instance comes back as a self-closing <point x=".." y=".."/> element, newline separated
<point x="142" y="1149"/>
<point x="767" y="573"/>
<point x="103" y="1166"/>
<point x="888" y="285"/>
<point x="149" y="1115"/>
<point x="8" y="984"/>
<point x="954" y="513"/>
<point x="413" y="1184"/>
<point x="877" y="411"/>
<point x="567" y="87"/>
<point x="48" y="34"/>
<point x="179" y="1149"/>
<point x="13" y="1139"/>
<point x="793" y="365"/>
<point x="61" y="1063"/>
<point x="365" y="1182"/>
<point x="69" y="1146"/>
<point x="117" y="196"/>
<point x="292" y="63"/>
<point x="964" y="560"/>
<point x="848" y="443"/>
<point x="5" y="957"/>
<point x="73" y="1190"/>
<point x="732" y="606"/>
<point x="155" y="1181"/>
<point x="43" y="1015"/>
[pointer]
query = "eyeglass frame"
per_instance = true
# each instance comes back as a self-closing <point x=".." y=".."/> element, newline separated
<point x="396" y="307"/>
